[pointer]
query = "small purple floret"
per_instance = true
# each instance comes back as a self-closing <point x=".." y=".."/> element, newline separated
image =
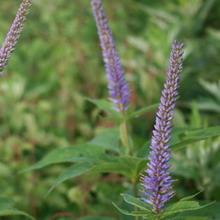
<point x="118" y="87"/>
<point x="157" y="184"/>
<point x="14" y="33"/>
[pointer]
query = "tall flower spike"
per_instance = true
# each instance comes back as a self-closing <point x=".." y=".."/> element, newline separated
<point x="118" y="87"/>
<point x="157" y="184"/>
<point x="14" y="33"/>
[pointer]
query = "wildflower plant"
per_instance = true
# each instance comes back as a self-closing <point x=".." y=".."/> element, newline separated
<point x="105" y="153"/>
<point x="157" y="184"/>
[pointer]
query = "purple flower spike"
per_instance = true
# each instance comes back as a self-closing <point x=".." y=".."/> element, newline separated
<point x="157" y="184"/>
<point x="14" y="33"/>
<point x="118" y="87"/>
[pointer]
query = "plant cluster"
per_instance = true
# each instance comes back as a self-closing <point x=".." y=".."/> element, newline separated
<point x="114" y="151"/>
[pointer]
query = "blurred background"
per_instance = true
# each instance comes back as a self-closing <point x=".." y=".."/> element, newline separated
<point x="58" y="61"/>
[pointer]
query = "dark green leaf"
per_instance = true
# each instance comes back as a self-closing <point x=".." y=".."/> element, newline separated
<point x="136" y="202"/>
<point x="134" y="213"/>
<point x="77" y="153"/>
<point x="125" y="165"/>
<point x="190" y="197"/>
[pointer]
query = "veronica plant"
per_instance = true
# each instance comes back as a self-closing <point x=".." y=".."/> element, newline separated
<point x="103" y="154"/>
<point x="157" y="182"/>
<point x="13" y="35"/>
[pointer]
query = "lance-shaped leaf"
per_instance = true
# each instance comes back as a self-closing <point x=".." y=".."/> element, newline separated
<point x="143" y="213"/>
<point x="78" y="153"/>
<point x="118" y="165"/>
<point x="136" y="202"/>
<point x="7" y="209"/>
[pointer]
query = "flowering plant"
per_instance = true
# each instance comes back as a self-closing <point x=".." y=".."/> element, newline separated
<point x="114" y="151"/>
<point x="100" y="155"/>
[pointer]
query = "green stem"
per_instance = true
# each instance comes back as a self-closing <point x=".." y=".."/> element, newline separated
<point x="125" y="138"/>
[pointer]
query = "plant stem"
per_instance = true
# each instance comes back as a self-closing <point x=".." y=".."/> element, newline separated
<point x="124" y="137"/>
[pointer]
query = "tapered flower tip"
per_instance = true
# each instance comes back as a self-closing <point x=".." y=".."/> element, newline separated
<point x="177" y="45"/>
<point x="95" y="2"/>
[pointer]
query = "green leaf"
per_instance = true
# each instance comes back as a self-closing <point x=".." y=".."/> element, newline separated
<point x="13" y="211"/>
<point x="7" y="209"/>
<point x="145" y="149"/>
<point x="176" y="135"/>
<point x="73" y="171"/>
<point x="182" y="137"/>
<point x="190" y="137"/>
<point x="206" y="132"/>
<point x="183" y="206"/>
<point x="143" y="111"/>
<point x="190" y="197"/>
<point x="209" y="105"/>
<point x="135" y="213"/>
<point x="119" y="165"/>
<point x="125" y="165"/>
<point x="78" y="153"/>
<point x="104" y="105"/>
<point x="136" y="202"/>
<point x="109" y="140"/>
<point x="210" y="210"/>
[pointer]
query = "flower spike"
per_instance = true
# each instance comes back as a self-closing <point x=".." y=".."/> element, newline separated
<point x="157" y="184"/>
<point x="118" y="87"/>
